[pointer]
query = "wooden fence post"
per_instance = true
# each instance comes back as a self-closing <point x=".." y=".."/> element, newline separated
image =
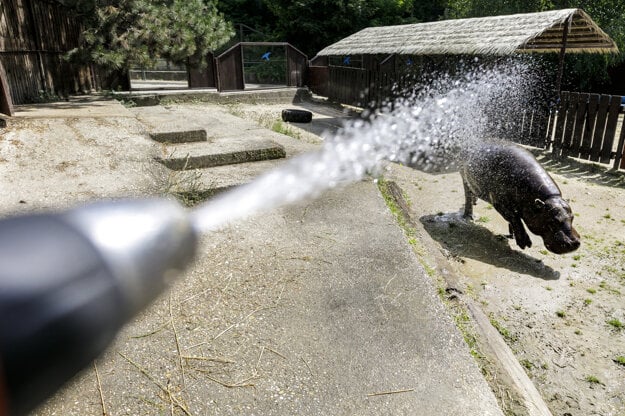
<point x="602" y="115"/>
<point x="6" y="104"/>
<point x="619" y="161"/>
<point x="610" y="128"/>
<point x="590" y="121"/>
<point x="559" y="125"/>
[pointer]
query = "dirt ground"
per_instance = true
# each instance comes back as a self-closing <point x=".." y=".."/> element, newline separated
<point x="562" y="315"/>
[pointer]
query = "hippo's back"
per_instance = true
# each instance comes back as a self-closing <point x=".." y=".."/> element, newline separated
<point x="504" y="169"/>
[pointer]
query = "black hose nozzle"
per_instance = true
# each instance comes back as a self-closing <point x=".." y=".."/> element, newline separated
<point x="69" y="282"/>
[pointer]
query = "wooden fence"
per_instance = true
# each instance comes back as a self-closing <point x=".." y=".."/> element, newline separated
<point x="34" y="37"/>
<point x="583" y="126"/>
<point x="361" y="87"/>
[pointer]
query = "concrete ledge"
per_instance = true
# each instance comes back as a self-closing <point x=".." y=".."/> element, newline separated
<point x="183" y="136"/>
<point x="207" y="161"/>
<point x="275" y="95"/>
<point x="221" y="152"/>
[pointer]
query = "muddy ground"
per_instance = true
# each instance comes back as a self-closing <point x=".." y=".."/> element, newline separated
<point x="562" y="315"/>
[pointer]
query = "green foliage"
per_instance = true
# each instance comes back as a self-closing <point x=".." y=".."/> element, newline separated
<point x="502" y="330"/>
<point x="593" y="380"/>
<point x="311" y="25"/>
<point x="122" y="33"/>
<point x="254" y="14"/>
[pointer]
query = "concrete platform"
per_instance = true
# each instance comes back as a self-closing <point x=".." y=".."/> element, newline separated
<point x="165" y="127"/>
<point x="84" y="106"/>
<point x="222" y="178"/>
<point x="321" y="308"/>
<point x="222" y="151"/>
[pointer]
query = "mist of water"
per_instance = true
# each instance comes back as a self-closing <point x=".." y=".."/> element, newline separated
<point x="426" y="128"/>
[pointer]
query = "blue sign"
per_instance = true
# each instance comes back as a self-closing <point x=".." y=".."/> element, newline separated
<point x="265" y="56"/>
<point x="346" y="60"/>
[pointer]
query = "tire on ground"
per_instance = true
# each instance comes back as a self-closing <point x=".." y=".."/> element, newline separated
<point x="296" y="116"/>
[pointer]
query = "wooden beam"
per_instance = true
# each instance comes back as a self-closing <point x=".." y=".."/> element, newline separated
<point x="6" y="104"/>
<point x="565" y="33"/>
<point x="569" y="47"/>
<point x="570" y="40"/>
<point x="619" y="161"/>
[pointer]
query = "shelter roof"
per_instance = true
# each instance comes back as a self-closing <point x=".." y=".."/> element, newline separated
<point x="493" y="35"/>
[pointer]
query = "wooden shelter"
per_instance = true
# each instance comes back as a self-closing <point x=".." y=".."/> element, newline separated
<point x="555" y="31"/>
<point x="495" y="35"/>
<point x="387" y="52"/>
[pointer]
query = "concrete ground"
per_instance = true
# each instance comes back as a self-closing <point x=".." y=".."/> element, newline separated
<point x="317" y="308"/>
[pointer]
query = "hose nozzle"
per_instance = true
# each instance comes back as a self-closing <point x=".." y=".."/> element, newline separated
<point x="69" y="281"/>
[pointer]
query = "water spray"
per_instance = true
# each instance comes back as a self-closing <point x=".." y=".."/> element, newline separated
<point x="69" y="281"/>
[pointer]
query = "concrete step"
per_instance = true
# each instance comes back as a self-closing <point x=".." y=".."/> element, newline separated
<point x="219" y="152"/>
<point x="179" y="136"/>
<point x="165" y="126"/>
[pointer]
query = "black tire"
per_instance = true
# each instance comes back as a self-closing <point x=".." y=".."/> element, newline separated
<point x="296" y="116"/>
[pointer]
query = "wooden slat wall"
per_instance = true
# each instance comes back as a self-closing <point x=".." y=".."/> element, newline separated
<point x="318" y="79"/>
<point x="34" y="37"/>
<point x="586" y="128"/>
<point x="6" y="103"/>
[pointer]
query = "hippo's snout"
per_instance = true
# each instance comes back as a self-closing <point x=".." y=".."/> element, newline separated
<point x="563" y="243"/>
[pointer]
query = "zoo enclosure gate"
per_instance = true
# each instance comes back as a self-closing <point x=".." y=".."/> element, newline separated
<point x="228" y="71"/>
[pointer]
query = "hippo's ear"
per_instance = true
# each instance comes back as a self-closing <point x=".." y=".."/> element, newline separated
<point x="539" y="204"/>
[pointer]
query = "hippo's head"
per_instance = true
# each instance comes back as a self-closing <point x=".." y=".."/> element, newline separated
<point x="552" y="219"/>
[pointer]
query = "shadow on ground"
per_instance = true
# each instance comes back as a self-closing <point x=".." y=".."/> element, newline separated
<point x="462" y="238"/>
<point x="581" y="169"/>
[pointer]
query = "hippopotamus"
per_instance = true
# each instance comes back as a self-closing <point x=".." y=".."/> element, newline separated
<point x="510" y="178"/>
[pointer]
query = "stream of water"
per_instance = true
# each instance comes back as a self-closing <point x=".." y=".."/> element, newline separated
<point x="426" y="128"/>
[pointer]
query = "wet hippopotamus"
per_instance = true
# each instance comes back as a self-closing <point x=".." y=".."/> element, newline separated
<point x="518" y="187"/>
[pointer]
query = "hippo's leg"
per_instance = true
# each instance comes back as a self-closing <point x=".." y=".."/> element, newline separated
<point x="469" y="200"/>
<point x="520" y="235"/>
<point x="515" y="226"/>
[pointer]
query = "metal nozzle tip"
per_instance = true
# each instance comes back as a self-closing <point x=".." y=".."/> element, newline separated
<point x="143" y="241"/>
